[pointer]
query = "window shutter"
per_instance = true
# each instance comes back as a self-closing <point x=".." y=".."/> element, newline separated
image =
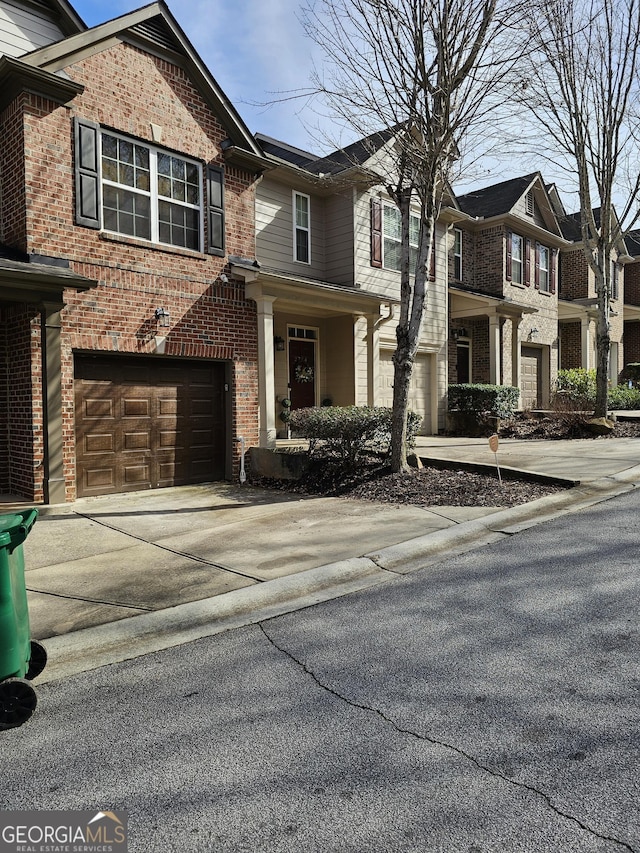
<point x="508" y="265"/>
<point x="87" y="172"/>
<point x="527" y="262"/>
<point x="376" y="232"/>
<point x="432" y="263"/>
<point x="537" y="266"/>
<point x="552" y="271"/>
<point x="215" y="210"/>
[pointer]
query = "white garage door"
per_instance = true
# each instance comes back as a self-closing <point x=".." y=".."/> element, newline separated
<point x="419" y="397"/>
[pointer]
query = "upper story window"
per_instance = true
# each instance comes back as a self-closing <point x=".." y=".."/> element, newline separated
<point x="150" y="194"/>
<point x="301" y="228"/>
<point x="517" y="259"/>
<point x="392" y="233"/>
<point x="615" y="286"/>
<point x="543" y="268"/>
<point x="129" y="187"/>
<point x="457" y="254"/>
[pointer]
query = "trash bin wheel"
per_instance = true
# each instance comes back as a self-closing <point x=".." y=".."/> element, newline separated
<point x="38" y="660"/>
<point x="18" y="701"/>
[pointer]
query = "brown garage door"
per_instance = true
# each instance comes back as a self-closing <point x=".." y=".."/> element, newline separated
<point x="147" y="423"/>
<point x="531" y="383"/>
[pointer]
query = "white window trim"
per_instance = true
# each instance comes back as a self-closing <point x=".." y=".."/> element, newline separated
<point x="386" y="237"/>
<point x="544" y="250"/>
<point x="521" y="260"/>
<point x="456" y="232"/>
<point x="153" y="194"/>
<point x="297" y="227"/>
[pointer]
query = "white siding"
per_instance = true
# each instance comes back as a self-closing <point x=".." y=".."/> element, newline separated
<point x="23" y="29"/>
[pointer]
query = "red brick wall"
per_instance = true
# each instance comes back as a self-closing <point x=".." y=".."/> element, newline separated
<point x="632" y="284"/>
<point x="632" y="342"/>
<point x="21" y="439"/>
<point x="128" y="90"/>
<point x="574" y="275"/>
<point x="570" y="345"/>
<point x="490" y="261"/>
<point x="12" y="182"/>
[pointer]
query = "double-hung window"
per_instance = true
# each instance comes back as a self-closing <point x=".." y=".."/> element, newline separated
<point x="517" y="259"/>
<point x="129" y="187"/>
<point x="543" y="268"/>
<point x="392" y="234"/>
<point x="457" y="254"/>
<point x="615" y="289"/>
<point x="301" y="228"/>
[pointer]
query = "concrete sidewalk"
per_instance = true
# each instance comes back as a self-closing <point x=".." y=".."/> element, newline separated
<point x="113" y="577"/>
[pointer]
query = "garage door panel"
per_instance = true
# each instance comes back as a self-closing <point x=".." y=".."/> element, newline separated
<point x="150" y="425"/>
<point x="97" y="408"/>
<point x="419" y="396"/>
<point x="97" y="478"/>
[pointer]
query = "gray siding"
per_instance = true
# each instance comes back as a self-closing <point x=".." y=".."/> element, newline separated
<point x="23" y="29"/>
<point x="274" y="230"/>
<point x="340" y="238"/>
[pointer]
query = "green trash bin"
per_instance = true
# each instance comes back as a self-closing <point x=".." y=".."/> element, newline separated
<point x="21" y="658"/>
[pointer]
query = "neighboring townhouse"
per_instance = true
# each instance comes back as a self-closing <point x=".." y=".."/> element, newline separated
<point x="503" y="289"/>
<point x="578" y="303"/>
<point x="631" y="313"/>
<point x="328" y="286"/>
<point x="128" y="342"/>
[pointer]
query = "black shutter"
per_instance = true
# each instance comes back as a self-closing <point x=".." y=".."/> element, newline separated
<point x="87" y="171"/>
<point x="508" y="265"/>
<point x="537" y="278"/>
<point x="527" y="262"/>
<point x="552" y="271"/>
<point x="215" y="202"/>
<point x="376" y="232"/>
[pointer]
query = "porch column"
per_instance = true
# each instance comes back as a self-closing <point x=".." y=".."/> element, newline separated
<point x="516" y="355"/>
<point x="586" y="343"/>
<point x="266" y="380"/>
<point x="373" y="359"/>
<point x="54" y="489"/>
<point x="494" y="350"/>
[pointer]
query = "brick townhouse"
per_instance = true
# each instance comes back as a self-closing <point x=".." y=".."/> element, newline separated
<point x="128" y="343"/>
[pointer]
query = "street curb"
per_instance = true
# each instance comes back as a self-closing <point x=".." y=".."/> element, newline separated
<point x="91" y="648"/>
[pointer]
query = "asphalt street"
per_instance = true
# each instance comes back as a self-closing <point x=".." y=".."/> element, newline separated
<point x="486" y="703"/>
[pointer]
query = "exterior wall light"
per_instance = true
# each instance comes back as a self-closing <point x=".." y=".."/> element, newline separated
<point x="278" y="343"/>
<point x="162" y="317"/>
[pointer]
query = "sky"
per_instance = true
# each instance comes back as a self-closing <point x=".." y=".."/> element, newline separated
<point x="255" y="49"/>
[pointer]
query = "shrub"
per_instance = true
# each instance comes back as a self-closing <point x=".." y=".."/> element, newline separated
<point x="630" y="373"/>
<point x="499" y="401"/>
<point x="348" y="431"/>
<point x="577" y="386"/>
<point x="622" y="397"/>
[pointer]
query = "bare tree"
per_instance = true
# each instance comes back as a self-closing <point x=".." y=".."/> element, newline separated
<point x="431" y="71"/>
<point x="583" y="89"/>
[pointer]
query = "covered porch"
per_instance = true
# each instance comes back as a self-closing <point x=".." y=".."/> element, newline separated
<point x="318" y="344"/>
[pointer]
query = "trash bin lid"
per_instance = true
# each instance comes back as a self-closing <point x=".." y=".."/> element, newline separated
<point x="14" y="527"/>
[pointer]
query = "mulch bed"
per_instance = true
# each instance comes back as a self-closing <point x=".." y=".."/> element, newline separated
<point x="431" y="487"/>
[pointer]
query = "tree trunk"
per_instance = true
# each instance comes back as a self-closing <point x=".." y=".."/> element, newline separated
<point x="402" y="369"/>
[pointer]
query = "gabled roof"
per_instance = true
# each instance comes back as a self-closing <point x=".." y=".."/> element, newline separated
<point x="341" y="160"/>
<point x="153" y="28"/>
<point x="497" y="199"/>
<point x="632" y="239"/>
